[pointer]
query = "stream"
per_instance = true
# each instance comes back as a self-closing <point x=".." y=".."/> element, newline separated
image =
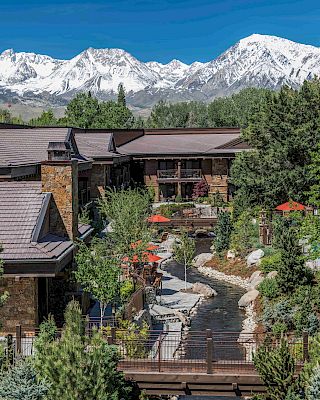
<point x="220" y="313"/>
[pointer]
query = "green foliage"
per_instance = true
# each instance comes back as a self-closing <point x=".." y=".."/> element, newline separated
<point x="21" y="383"/>
<point x="126" y="290"/>
<point x="314" y="174"/>
<point x="269" y="288"/>
<point x="271" y="262"/>
<point x="313" y="389"/>
<point x="223" y="230"/>
<point x="309" y="232"/>
<point x="276" y="367"/>
<point x="78" y="367"/>
<point x="6" y="116"/>
<point x="84" y="216"/>
<point x="98" y="272"/>
<point x="291" y="271"/>
<point x="235" y="110"/>
<point x="244" y="234"/>
<point x="132" y="337"/>
<point x="282" y="132"/>
<point x="128" y="210"/>
<point x="86" y="111"/>
<point x="178" y="198"/>
<point x="46" y="118"/>
<point x="167" y="210"/>
<point x="184" y="252"/>
<point x="121" y="100"/>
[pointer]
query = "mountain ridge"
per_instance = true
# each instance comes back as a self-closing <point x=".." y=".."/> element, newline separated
<point x="255" y="61"/>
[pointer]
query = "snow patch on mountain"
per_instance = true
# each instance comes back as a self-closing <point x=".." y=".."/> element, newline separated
<point x="257" y="60"/>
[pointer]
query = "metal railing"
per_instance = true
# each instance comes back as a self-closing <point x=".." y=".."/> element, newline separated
<point x="185" y="174"/>
<point x="174" y="351"/>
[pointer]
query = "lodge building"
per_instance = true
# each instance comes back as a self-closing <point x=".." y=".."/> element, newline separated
<point x="47" y="174"/>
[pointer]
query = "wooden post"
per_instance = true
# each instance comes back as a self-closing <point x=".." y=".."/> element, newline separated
<point x="209" y="351"/>
<point x="18" y="338"/>
<point x="113" y="335"/>
<point x="159" y="353"/>
<point x="305" y="338"/>
<point x="10" y="349"/>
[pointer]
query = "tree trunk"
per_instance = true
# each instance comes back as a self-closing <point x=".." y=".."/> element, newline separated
<point x="102" y="311"/>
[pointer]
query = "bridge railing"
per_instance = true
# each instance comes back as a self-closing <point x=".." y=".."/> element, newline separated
<point x="169" y="351"/>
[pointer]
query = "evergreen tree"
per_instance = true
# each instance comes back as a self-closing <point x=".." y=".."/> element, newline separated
<point x="283" y="132"/>
<point x="314" y="174"/>
<point x="82" y="111"/>
<point x="222" y="232"/>
<point x="276" y="367"/>
<point x="292" y="271"/>
<point x="47" y="118"/>
<point x="21" y="383"/>
<point x="313" y="389"/>
<point x="244" y="234"/>
<point x="121" y="96"/>
<point x="78" y="367"/>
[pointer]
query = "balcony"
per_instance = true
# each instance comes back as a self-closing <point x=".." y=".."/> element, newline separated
<point x="182" y="175"/>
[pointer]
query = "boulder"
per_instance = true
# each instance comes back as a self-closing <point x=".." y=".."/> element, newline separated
<point x="254" y="257"/>
<point x="231" y="255"/>
<point x="248" y="298"/>
<point x="203" y="289"/>
<point x="201" y="259"/>
<point x="255" y="279"/>
<point x="272" y="274"/>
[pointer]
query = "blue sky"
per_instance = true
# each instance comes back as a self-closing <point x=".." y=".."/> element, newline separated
<point x="158" y="30"/>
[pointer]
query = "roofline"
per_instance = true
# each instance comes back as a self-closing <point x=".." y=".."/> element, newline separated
<point x="41" y="217"/>
<point x="181" y="131"/>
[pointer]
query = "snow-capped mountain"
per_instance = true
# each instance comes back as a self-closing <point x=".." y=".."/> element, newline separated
<point x="255" y="61"/>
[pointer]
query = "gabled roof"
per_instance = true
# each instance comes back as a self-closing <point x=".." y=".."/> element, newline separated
<point x="162" y="142"/>
<point x="22" y="210"/>
<point x="28" y="146"/>
<point x="96" y="144"/>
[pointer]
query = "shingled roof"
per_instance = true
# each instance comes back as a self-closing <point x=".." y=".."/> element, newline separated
<point x="96" y="144"/>
<point x="184" y="141"/>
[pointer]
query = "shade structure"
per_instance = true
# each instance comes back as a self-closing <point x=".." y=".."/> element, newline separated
<point x="146" y="257"/>
<point x="158" y="218"/>
<point x="150" y="247"/>
<point x="291" y="206"/>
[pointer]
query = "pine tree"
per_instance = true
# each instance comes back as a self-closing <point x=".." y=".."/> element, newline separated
<point x="276" y="367"/>
<point x="222" y="232"/>
<point x="292" y="271"/>
<point x="121" y="96"/>
<point x="78" y="367"/>
<point x="21" y="383"/>
<point x="82" y="111"/>
<point x="313" y="389"/>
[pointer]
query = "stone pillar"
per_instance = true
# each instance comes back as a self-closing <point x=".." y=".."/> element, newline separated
<point x="60" y="178"/>
<point x="22" y="306"/>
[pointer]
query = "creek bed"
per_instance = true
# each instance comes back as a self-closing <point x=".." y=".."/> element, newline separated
<point x="220" y="313"/>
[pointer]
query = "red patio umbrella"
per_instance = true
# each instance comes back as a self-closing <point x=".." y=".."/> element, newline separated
<point x="146" y="257"/>
<point x="291" y="206"/>
<point x="158" y="218"/>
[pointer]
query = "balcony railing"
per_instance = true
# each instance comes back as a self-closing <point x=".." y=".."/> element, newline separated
<point x="183" y="174"/>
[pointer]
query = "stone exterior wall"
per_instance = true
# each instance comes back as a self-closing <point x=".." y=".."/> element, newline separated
<point x="98" y="180"/>
<point x="61" y="179"/>
<point x="22" y="306"/>
<point x="150" y="176"/>
<point x="219" y="181"/>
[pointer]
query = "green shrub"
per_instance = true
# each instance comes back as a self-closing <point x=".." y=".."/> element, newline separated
<point x="167" y="210"/>
<point x="126" y="290"/>
<point x="245" y="234"/>
<point x="279" y="328"/>
<point x="271" y="262"/>
<point x="178" y="198"/>
<point x="313" y="390"/>
<point x="269" y="288"/>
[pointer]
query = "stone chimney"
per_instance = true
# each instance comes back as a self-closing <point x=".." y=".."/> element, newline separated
<point x="59" y="176"/>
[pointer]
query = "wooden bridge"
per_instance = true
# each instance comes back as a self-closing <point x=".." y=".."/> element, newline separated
<point x="195" y="363"/>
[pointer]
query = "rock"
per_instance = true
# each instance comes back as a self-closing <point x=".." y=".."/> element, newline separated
<point x="204" y="290"/>
<point x="231" y="255"/>
<point x="202" y="259"/>
<point x="254" y="257"/>
<point x="272" y="274"/>
<point x="248" y="298"/>
<point x="255" y="279"/>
